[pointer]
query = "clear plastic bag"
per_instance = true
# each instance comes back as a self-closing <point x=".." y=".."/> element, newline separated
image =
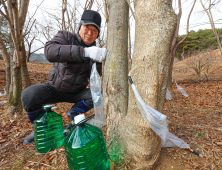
<point x="2" y="102"/>
<point x="175" y="141"/>
<point x="95" y="87"/>
<point x="2" y="94"/>
<point x="181" y="89"/>
<point x="168" y="95"/>
<point x="157" y="121"/>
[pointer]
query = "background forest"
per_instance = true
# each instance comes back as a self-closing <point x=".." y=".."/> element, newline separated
<point x="198" y="40"/>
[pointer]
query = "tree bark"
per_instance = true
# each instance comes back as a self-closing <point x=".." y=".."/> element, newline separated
<point x="15" y="104"/>
<point x="115" y="81"/>
<point x="6" y="58"/>
<point x="25" y="74"/>
<point x="136" y="143"/>
<point x="23" y="9"/>
<point x="22" y="16"/>
<point x="16" y="83"/>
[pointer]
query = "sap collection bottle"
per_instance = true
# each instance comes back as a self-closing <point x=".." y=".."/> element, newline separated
<point x="85" y="147"/>
<point x="48" y="130"/>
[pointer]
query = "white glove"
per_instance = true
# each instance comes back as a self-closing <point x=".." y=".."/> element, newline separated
<point x="95" y="53"/>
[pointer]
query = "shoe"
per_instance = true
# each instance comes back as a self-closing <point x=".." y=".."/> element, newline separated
<point x="29" y="138"/>
<point x="79" y="107"/>
<point x="32" y="116"/>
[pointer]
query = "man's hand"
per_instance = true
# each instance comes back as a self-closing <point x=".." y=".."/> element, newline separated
<point x="95" y="53"/>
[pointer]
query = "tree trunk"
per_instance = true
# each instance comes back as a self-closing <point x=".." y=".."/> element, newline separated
<point x="22" y="16"/>
<point x="136" y="144"/>
<point x="15" y="15"/>
<point x="25" y="74"/>
<point x="16" y="79"/>
<point x="173" y="51"/>
<point x="172" y="56"/>
<point x="115" y="80"/>
<point x="6" y="58"/>
<point x="15" y="104"/>
<point x="176" y="43"/>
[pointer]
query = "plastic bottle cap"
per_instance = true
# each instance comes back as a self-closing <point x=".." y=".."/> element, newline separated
<point x="79" y="118"/>
<point x="48" y="106"/>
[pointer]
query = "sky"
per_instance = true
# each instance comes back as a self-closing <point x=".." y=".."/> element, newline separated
<point x="198" y="20"/>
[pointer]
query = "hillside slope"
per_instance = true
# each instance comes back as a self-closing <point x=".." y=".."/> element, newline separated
<point x="182" y="70"/>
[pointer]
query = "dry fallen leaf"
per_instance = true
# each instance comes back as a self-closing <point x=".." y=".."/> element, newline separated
<point x="2" y="141"/>
<point x="219" y="143"/>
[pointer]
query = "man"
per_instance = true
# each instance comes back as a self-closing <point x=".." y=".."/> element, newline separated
<point x="73" y="55"/>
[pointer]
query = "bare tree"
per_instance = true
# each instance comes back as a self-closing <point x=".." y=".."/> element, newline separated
<point x="31" y="34"/>
<point x="209" y="14"/>
<point x="15" y="14"/>
<point x="200" y="62"/>
<point x="31" y="38"/>
<point x="176" y="43"/>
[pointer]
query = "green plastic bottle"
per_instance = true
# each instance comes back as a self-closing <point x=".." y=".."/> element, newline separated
<point x="85" y="147"/>
<point x="48" y="131"/>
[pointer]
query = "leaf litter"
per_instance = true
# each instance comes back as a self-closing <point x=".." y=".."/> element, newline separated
<point x="195" y="119"/>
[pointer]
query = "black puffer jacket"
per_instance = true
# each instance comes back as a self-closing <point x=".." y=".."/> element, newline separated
<point x="71" y="71"/>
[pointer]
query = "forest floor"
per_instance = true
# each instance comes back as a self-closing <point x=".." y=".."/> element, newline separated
<point x="196" y="119"/>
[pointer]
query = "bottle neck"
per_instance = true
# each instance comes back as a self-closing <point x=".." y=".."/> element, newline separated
<point x="48" y="110"/>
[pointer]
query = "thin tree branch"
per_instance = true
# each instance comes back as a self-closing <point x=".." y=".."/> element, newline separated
<point x="32" y="17"/>
<point x="5" y="8"/>
<point x="85" y="5"/>
<point x="64" y="5"/>
<point x="69" y="22"/>
<point x="4" y="15"/>
<point x="37" y="9"/>
<point x="36" y="50"/>
<point x="188" y="20"/>
<point x="100" y="9"/>
<point x="212" y="24"/>
<point x="25" y="33"/>
<point x="90" y="5"/>
<point x="105" y="11"/>
<point x="40" y="41"/>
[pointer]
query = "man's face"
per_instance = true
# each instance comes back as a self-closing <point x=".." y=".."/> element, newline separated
<point x="88" y="33"/>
